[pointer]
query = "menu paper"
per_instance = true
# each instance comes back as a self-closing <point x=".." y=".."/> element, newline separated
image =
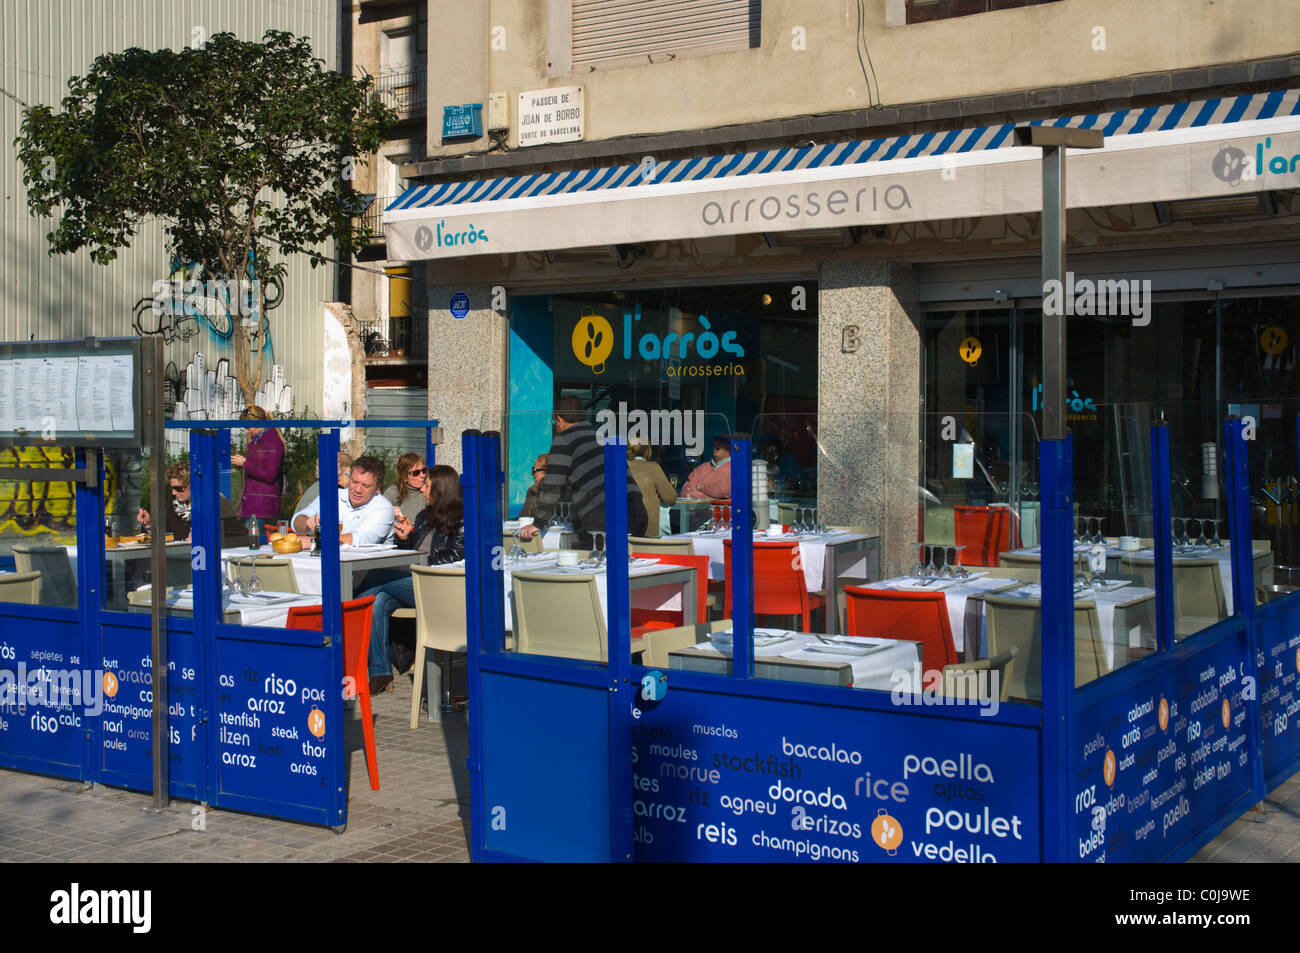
<point x="27" y="415"/>
<point x="121" y="405"/>
<point x="92" y="394"/>
<point x="6" y="396"/>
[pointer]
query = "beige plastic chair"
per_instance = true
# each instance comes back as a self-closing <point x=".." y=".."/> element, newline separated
<point x="656" y="544"/>
<point x="1018" y="623"/>
<point x="440" y="626"/>
<point x="1198" y="591"/>
<point x="533" y="545"/>
<point x="1021" y="561"/>
<point x="659" y="642"/>
<point x="559" y="614"/>
<point x="58" y="584"/>
<point x="276" y="575"/>
<point x="1025" y="573"/>
<point x="23" y="587"/>
<point x="961" y="679"/>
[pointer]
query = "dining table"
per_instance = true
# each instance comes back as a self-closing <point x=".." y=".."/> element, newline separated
<point x="652" y="585"/>
<point x="828" y="555"/>
<point x="265" y="609"/>
<point x="355" y="562"/>
<point x="121" y="556"/>
<point x="866" y="663"/>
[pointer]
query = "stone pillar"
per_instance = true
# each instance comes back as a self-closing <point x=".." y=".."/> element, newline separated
<point x="869" y="401"/>
<point x="466" y="366"/>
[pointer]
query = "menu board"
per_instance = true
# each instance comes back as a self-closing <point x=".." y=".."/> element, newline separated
<point x="718" y="778"/>
<point x="71" y="398"/>
<point x="1156" y="763"/>
<point x="1278" y="637"/>
<point x="127" y="721"/>
<point x="274" y="731"/>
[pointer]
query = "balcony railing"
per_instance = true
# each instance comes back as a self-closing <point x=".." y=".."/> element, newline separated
<point x="920" y="11"/>
<point x="404" y="91"/>
<point x="373" y="217"/>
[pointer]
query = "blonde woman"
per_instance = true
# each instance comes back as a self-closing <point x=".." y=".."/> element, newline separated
<point x="649" y="477"/>
<point x="407" y="494"/>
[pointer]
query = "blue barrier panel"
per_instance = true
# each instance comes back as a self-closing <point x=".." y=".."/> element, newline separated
<point x="126" y="726"/>
<point x="719" y="777"/>
<point x="1162" y="751"/>
<point x="547" y="791"/>
<point x="49" y="696"/>
<point x="1277" y="633"/>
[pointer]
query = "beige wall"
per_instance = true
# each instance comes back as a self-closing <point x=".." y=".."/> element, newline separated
<point x="967" y="57"/>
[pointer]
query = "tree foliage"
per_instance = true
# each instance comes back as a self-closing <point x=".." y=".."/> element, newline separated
<point x="241" y="150"/>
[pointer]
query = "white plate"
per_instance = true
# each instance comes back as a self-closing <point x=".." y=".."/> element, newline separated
<point x="839" y="648"/>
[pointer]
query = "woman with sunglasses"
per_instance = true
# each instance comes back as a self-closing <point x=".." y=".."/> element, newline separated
<point x="539" y="474"/>
<point x="407" y="494"/>
<point x="177" y="521"/>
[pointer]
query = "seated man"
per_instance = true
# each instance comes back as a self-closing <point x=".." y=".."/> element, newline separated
<point x="366" y="516"/>
<point x="711" y="480"/>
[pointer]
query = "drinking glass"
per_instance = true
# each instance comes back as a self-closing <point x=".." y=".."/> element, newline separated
<point x="282" y="527"/>
<point x="1200" y="533"/>
<point x="931" y="570"/>
<point x="1176" y="520"/>
<point x="945" y="569"/>
<point x="254" y="584"/>
<point x="962" y="572"/>
<point x="918" y="570"/>
<point x="820" y="523"/>
<point x="726" y="518"/>
<point x="1100" y="537"/>
<point x="1217" y="541"/>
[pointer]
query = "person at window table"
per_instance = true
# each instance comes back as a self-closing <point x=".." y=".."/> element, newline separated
<point x="407" y="494"/>
<point x="366" y="516"/>
<point x="711" y="480"/>
<point x="534" y="491"/>
<point x="261" y="463"/>
<point x="439" y="533"/>
<point x="178" y="519"/>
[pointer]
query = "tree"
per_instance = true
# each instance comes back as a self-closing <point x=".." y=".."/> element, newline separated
<point x="242" y="150"/>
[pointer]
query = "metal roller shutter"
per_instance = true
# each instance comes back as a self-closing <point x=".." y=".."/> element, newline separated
<point x="609" y="33"/>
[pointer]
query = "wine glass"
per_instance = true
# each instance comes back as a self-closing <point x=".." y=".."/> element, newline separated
<point x="254" y="584"/>
<point x="945" y="570"/>
<point x="820" y="523"/>
<point x="1176" y="520"/>
<point x="931" y="570"/>
<point x="1200" y="534"/>
<point x="600" y="554"/>
<point x="1100" y="537"/>
<point x="726" y="518"/>
<point x="918" y="570"/>
<point x="1217" y="541"/>
<point x="1080" y="577"/>
<point x="962" y="572"/>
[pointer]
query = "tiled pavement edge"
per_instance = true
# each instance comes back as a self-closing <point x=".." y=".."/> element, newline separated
<point x="420" y="812"/>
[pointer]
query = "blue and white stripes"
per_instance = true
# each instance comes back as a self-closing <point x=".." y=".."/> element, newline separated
<point x="1123" y="122"/>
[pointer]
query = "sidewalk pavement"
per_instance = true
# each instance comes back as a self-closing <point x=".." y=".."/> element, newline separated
<point x="420" y="813"/>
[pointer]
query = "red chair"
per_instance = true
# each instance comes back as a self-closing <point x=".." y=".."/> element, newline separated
<point x="356" y="655"/>
<point x="909" y="616"/>
<point x="985" y="531"/>
<point x="647" y="620"/>
<point x="779" y="585"/>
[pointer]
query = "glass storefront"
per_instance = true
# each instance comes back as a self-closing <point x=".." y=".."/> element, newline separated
<point x="724" y="354"/>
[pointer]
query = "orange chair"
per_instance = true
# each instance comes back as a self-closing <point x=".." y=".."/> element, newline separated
<point x="985" y="531"/>
<point x="647" y="620"/>
<point x="909" y="616"/>
<point x="356" y="654"/>
<point x="779" y="586"/>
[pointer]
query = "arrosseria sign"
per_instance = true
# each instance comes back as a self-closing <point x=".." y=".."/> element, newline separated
<point x="1151" y="167"/>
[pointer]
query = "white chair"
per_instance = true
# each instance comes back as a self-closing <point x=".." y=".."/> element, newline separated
<point x="658" y="544"/>
<point x="58" y="584"/>
<point x="1014" y="623"/>
<point x="559" y="615"/>
<point x="23" y="587"/>
<point x="275" y="575"/>
<point x="659" y="642"/>
<point x="440" y="626"/>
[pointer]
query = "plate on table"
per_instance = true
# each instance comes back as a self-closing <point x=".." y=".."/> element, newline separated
<point x="364" y="547"/>
<point x="262" y="598"/>
<point x="642" y="561"/>
<point x="845" y="648"/>
<point x="761" y="639"/>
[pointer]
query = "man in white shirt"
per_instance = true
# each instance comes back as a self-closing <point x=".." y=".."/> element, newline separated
<point x="366" y="516"/>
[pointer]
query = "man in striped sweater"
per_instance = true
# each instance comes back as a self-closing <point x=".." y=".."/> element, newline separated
<point x="578" y="460"/>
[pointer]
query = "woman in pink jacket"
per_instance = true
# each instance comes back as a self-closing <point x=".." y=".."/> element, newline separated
<point x="261" y="463"/>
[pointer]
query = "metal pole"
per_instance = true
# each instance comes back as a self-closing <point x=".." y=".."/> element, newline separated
<point x="1054" y="341"/>
<point x="742" y="558"/>
<point x="152" y="404"/>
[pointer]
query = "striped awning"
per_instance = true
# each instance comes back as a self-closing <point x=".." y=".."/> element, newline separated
<point x="445" y="209"/>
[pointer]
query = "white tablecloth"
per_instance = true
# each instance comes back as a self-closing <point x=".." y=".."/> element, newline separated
<point x="812" y="553"/>
<point x="250" y="611"/>
<point x="875" y="671"/>
<point x="955" y="594"/>
<point x="306" y="567"/>
<point x="551" y="536"/>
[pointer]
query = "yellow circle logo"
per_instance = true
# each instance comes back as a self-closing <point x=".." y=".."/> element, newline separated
<point x="1163" y="714"/>
<point x="970" y="349"/>
<point x="316" y="722"/>
<point x="1274" y="340"/>
<point x="886" y="832"/>
<point x="593" y="341"/>
<point x="1108" y="768"/>
<point x="110" y="684"/>
<point x="1227" y="713"/>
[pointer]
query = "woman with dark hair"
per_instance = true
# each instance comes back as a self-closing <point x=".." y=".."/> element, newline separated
<point x="439" y="532"/>
<point x="407" y="494"/>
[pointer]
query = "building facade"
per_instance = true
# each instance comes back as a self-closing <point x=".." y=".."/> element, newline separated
<point x="833" y="190"/>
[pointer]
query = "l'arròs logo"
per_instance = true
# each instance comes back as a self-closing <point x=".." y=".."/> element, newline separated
<point x="593" y="341"/>
<point x="886" y="832"/>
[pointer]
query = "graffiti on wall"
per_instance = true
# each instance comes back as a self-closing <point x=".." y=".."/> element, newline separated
<point x="185" y="303"/>
<point x="36" y="507"/>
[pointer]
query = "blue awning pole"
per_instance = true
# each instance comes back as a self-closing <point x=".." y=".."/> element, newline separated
<point x="474" y="565"/>
<point x="1243" y="590"/>
<point x="742" y="558"/>
<point x="1057" y="469"/>
<point x="618" y="633"/>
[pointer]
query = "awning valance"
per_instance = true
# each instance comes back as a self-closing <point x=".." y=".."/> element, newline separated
<point x="1235" y="145"/>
